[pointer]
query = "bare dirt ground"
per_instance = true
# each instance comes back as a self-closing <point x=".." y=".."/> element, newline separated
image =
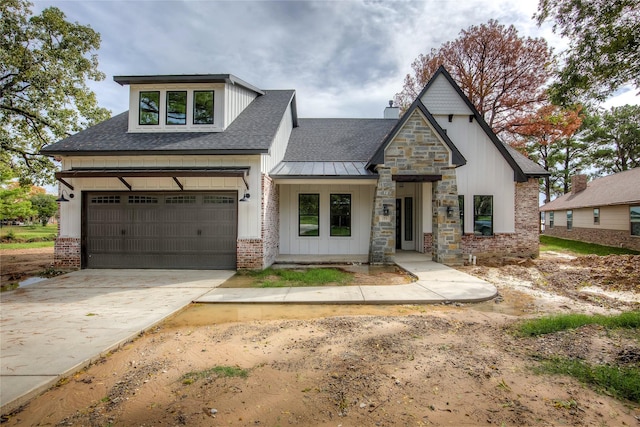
<point x="368" y="366"/>
<point x="19" y="264"/>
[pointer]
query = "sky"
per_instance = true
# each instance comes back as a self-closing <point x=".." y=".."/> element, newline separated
<point x="343" y="58"/>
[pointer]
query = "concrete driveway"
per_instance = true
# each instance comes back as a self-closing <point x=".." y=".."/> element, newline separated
<point x="55" y="327"/>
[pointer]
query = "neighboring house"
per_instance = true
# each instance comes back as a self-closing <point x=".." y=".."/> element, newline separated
<point x="604" y="211"/>
<point x="208" y="171"/>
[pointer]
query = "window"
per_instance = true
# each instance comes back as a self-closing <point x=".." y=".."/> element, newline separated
<point x="596" y="215"/>
<point x="634" y="215"/>
<point x="176" y="107"/>
<point x="308" y="214"/>
<point x="550" y="219"/>
<point x="340" y="212"/>
<point x="483" y="215"/>
<point x="569" y="220"/>
<point x="149" y="109"/>
<point x="203" y="107"/>
<point x="408" y="219"/>
<point x="461" y="207"/>
<point x="179" y="200"/>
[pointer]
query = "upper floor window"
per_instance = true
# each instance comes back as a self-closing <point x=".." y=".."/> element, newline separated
<point x="149" y="108"/>
<point x="483" y="215"/>
<point x="569" y="220"/>
<point x="634" y="216"/>
<point x="176" y="107"/>
<point x="596" y="215"/>
<point x="203" y="107"/>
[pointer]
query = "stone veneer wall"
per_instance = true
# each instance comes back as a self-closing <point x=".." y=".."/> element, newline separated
<point x="617" y="238"/>
<point x="416" y="150"/>
<point x="524" y="242"/>
<point x="253" y="254"/>
<point x="66" y="253"/>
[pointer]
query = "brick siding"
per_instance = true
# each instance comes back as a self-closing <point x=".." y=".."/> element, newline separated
<point x="617" y="238"/>
<point x="66" y="253"/>
<point x="270" y="221"/>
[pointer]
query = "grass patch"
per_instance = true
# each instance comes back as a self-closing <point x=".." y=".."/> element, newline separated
<point x="278" y="278"/>
<point x="551" y="324"/>
<point x="30" y="245"/>
<point x="218" y="371"/>
<point x="620" y="382"/>
<point x="549" y="243"/>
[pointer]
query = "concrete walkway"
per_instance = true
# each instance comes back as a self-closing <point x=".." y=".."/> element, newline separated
<point x="50" y="329"/>
<point x="55" y="327"/>
<point x="436" y="283"/>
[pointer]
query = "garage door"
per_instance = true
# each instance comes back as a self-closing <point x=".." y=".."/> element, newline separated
<point x="161" y="230"/>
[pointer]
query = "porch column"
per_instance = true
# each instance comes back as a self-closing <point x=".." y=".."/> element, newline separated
<point x="382" y="247"/>
<point x="446" y="227"/>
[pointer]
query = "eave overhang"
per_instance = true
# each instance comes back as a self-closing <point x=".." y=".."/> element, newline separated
<point x="186" y="78"/>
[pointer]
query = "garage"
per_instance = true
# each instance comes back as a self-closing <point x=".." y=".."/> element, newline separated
<point x="162" y="230"/>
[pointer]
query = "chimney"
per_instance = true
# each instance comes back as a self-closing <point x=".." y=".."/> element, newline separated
<point x="578" y="182"/>
<point x="391" y="112"/>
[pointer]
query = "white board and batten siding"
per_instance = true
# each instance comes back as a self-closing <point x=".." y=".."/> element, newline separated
<point x="236" y="99"/>
<point x="324" y="244"/>
<point x="280" y="141"/>
<point x="486" y="173"/>
<point x="249" y="219"/>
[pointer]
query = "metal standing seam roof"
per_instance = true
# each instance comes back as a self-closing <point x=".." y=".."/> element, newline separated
<point x="622" y="188"/>
<point x="252" y="132"/>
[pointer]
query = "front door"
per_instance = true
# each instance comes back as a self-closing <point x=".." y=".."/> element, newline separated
<point x="398" y="223"/>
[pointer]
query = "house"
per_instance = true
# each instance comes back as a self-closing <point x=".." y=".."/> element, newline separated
<point x="604" y="211"/>
<point x="209" y="171"/>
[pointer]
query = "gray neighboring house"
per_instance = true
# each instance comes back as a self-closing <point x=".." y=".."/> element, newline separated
<point x="604" y="211"/>
<point x="208" y="171"/>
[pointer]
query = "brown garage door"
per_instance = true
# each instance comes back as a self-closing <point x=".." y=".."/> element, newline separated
<point x="161" y="230"/>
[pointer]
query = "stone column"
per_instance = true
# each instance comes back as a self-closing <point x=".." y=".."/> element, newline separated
<point x="446" y="228"/>
<point x="382" y="247"/>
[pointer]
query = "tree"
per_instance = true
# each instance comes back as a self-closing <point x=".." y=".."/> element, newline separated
<point x="44" y="64"/>
<point x="502" y="74"/>
<point x="615" y="137"/>
<point x="14" y="201"/>
<point x="45" y="206"/>
<point x="547" y="137"/>
<point x="604" y="46"/>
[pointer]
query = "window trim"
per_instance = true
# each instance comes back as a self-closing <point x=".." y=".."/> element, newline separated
<point x="569" y="223"/>
<point x="596" y="216"/>
<point x="300" y="195"/>
<point x="140" y="108"/>
<point x="350" y="197"/>
<point x="475" y="216"/>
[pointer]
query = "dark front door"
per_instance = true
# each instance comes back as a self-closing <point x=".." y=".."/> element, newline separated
<point x="161" y="230"/>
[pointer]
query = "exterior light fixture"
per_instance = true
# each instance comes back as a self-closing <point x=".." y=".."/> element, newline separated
<point x="449" y="211"/>
<point x="385" y="210"/>
<point x="64" y="199"/>
<point x="246" y="197"/>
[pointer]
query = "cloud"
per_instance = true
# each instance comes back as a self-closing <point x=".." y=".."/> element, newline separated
<point x="344" y="58"/>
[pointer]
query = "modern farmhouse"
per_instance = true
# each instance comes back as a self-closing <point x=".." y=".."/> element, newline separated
<point x="211" y="172"/>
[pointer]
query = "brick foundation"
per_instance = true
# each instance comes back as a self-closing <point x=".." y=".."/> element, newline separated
<point x="67" y="253"/>
<point x="616" y="238"/>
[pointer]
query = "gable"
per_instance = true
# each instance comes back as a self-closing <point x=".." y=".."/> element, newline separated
<point x="441" y="98"/>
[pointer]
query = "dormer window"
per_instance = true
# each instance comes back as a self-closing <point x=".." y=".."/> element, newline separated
<point x="177" y="107"/>
<point x="149" y="108"/>
<point x="203" y="107"/>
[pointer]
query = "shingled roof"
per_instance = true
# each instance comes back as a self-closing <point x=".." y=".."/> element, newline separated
<point x="251" y="132"/>
<point x="618" y="189"/>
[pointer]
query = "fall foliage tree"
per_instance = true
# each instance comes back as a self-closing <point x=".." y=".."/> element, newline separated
<point x="502" y="74"/>
<point x="548" y="139"/>
<point x="604" y="46"/>
<point x="44" y="64"/>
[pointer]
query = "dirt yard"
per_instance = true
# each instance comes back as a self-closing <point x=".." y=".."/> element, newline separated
<point x="19" y="264"/>
<point x="367" y="366"/>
